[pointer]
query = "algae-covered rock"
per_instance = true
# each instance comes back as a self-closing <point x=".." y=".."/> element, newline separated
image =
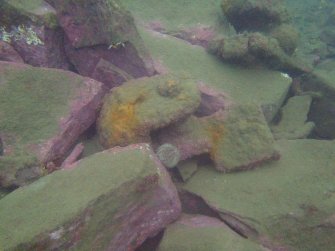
<point x="254" y="14"/>
<point x="199" y="233"/>
<point x="286" y="199"/>
<point x="43" y="112"/>
<point x="130" y="112"/>
<point x="169" y="155"/>
<point x="32" y="29"/>
<point x="256" y="49"/>
<point x="287" y="37"/>
<point x="187" y="169"/>
<point x="236" y="139"/>
<point x="245" y="140"/>
<point x="8" y="53"/>
<point x="112" y="200"/>
<point x="16" y="12"/>
<point x="105" y="31"/>
<point x="292" y="124"/>
<point x="321" y="81"/>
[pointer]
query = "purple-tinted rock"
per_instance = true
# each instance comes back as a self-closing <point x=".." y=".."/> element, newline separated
<point x="8" y="53"/>
<point x="49" y="53"/>
<point x="109" y="34"/>
<point x="112" y="200"/>
<point x="43" y="113"/>
<point x="211" y="101"/>
<point x="235" y="139"/>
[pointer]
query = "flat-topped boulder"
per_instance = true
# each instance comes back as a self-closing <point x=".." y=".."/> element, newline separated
<point x="288" y="200"/>
<point x="43" y="113"/>
<point x="112" y="200"/>
<point x="199" y="233"/>
<point x="130" y="112"/>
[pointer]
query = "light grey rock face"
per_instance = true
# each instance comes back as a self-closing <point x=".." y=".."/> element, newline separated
<point x="112" y="200"/>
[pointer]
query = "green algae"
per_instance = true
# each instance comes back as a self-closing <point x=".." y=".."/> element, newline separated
<point x="58" y="198"/>
<point x="19" y="12"/>
<point x="176" y="14"/>
<point x="32" y="100"/>
<point x="268" y="88"/>
<point x="180" y="237"/>
<point x="246" y="139"/>
<point x="301" y="179"/>
<point x="132" y="110"/>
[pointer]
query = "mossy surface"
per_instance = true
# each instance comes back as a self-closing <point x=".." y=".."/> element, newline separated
<point x="243" y="140"/>
<point x="58" y="198"/>
<point x="137" y="107"/>
<point x="15" y="12"/>
<point x="176" y="14"/>
<point x="180" y="237"/>
<point x="292" y="124"/>
<point x="268" y="88"/>
<point x="299" y="188"/>
<point x="32" y="101"/>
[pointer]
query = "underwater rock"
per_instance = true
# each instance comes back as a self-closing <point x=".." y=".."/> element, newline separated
<point x="212" y="101"/>
<point x="8" y="53"/>
<point x="256" y="49"/>
<point x="43" y="113"/>
<point x="286" y="200"/>
<point x="287" y="37"/>
<point x="321" y="83"/>
<point x="236" y="139"/>
<point x="108" y="35"/>
<point x="199" y="233"/>
<point x="292" y="124"/>
<point x="32" y="29"/>
<point x="254" y="14"/>
<point x="169" y="155"/>
<point x="112" y="200"/>
<point x="131" y="111"/>
<point x="187" y="169"/>
<point x="245" y="141"/>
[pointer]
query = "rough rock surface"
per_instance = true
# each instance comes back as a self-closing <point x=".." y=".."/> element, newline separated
<point x="293" y="123"/>
<point x="45" y="47"/>
<point x="140" y="106"/>
<point x="8" y="53"/>
<point x="43" y="112"/>
<point x="236" y="139"/>
<point x="256" y="48"/>
<point x="322" y="113"/>
<point x="108" y="40"/>
<point x="287" y="200"/>
<point x="199" y="233"/>
<point x="254" y="14"/>
<point x="112" y="200"/>
<point x="212" y="101"/>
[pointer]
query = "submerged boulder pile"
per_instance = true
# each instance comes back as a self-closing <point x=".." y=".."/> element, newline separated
<point x="207" y="156"/>
<point x="264" y="36"/>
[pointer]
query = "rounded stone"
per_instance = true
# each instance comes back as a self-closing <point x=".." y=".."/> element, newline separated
<point x="169" y="155"/>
